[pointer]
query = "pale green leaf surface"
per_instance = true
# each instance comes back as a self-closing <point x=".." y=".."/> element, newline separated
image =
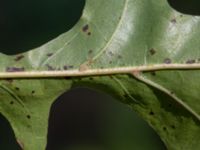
<point x="112" y="34"/>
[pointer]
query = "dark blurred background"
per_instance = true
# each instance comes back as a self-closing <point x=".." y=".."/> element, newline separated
<point x="26" y="24"/>
<point x="81" y="119"/>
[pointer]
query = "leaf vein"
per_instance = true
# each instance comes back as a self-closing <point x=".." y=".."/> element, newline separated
<point x="143" y="79"/>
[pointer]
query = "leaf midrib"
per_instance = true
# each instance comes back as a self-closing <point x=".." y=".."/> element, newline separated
<point x="95" y="72"/>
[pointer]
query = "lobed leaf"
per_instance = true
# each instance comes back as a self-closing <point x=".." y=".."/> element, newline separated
<point x="114" y="34"/>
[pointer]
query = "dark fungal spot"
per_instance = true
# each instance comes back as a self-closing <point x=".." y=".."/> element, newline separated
<point x="190" y="61"/>
<point x="119" y="57"/>
<point x="173" y="21"/>
<point x="18" y="58"/>
<point x="65" y="67"/>
<point x="17" y="88"/>
<point x="50" y="68"/>
<point x="11" y="102"/>
<point x="173" y="127"/>
<point x="110" y="53"/>
<point x="110" y="62"/>
<point x="89" y="33"/>
<point x="126" y="96"/>
<point x="167" y="61"/>
<point x="85" y="28"/>
<point x="68" y="67"/>
<point x="33" y="92"/>
<point x="90" y="51"/>
<point x="153" y="73"/>
<point x="170" y="105"/>
<point x="152" y="51"/>
<point x="151" y="113"/>
<point x="49" y="54"/>
<point x="28" y="116"/>
<point x="14" y="69"/>
<point x="71" y="67"/>
<point x="164" y="128"/>
<point x="91" y="78"/>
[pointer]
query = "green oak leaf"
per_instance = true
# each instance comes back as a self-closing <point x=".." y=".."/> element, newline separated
<point x="142" y="52"/>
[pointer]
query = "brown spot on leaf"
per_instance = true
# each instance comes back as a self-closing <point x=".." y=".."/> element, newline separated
<point x="89" y="33"/>
<point x="17" y="88"/>
<point x="170" y="105"/>
<point x="33" y="92"/>
<point x="173" y="21"/>
<point x="50" y="68"/>
<point x="65" y="67"/>
<point x="126" y="96"/>
<point x="167" y="61"/>
<point x="110" y="53"/>
<point x="153" y="73"/>
<point x="190" y="61"/>
<point x="71" y="67"/>
<point x="173" y="127"/>
<point x="164" y="128"/>
<point x="28" y="116"/>
<point x="152" y="51"/>
<point x="151" y="113"/>
<point x="91" y="78"/>
<point x="14" y="69"/>
<point x="119" y="57"/>
<point x="49" y="54"/>
<point x="172" y="93"/>
<point x="90" y="52"/>
<point x="68" y="67"/>
<point x="85" y="28"/>
<point x="11" y="102"/>
<point x="19" y="57"/>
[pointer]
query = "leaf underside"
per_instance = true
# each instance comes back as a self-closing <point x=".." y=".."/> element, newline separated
<point x="112" y="34"/>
